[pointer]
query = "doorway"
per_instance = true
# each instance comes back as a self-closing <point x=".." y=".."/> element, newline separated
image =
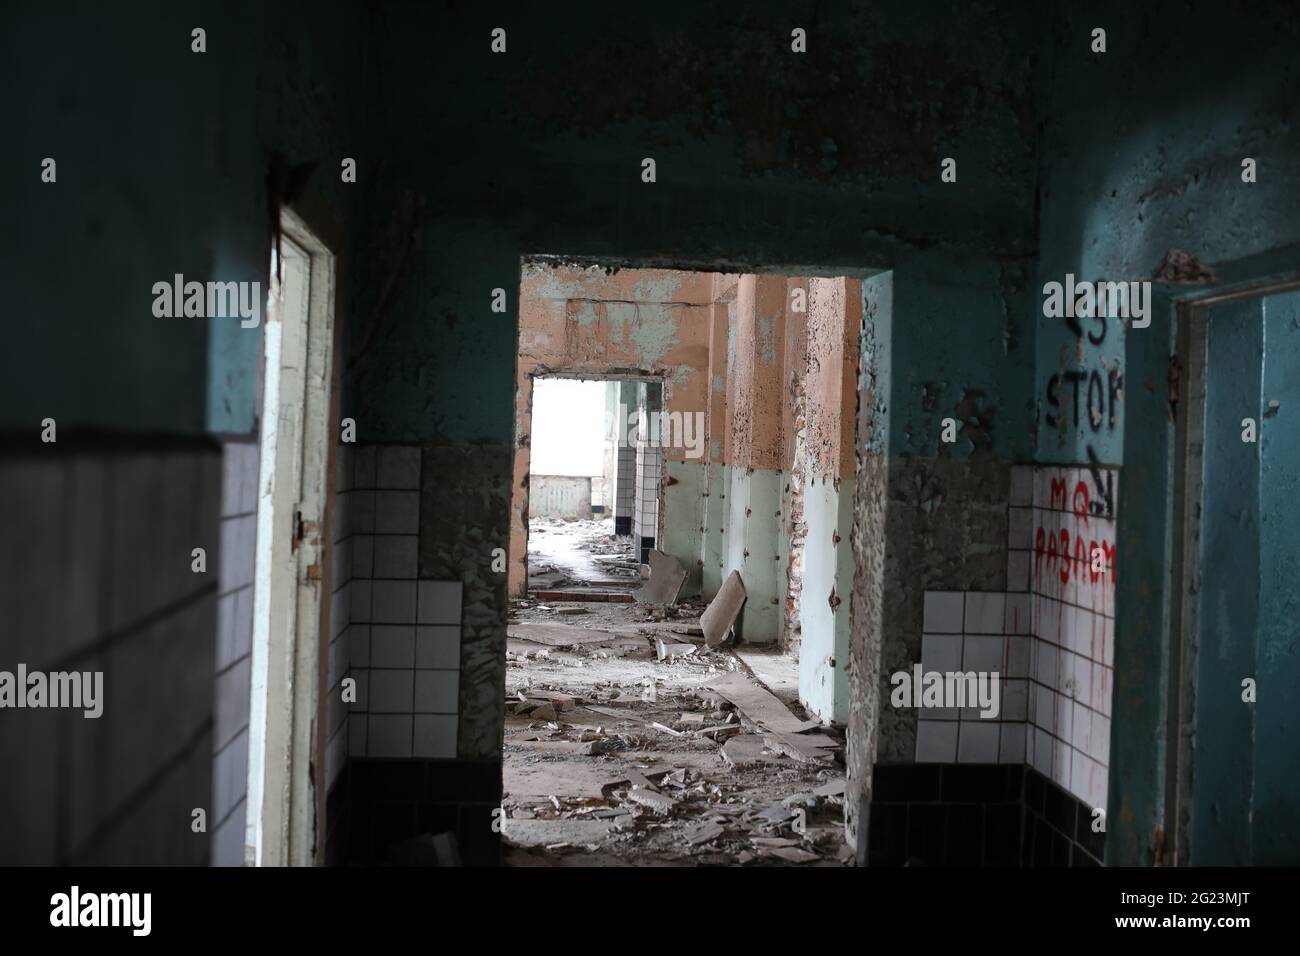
<point x="668" y="726"/>
<point x="1230" y="767"/>
<point x="593" y="496"/>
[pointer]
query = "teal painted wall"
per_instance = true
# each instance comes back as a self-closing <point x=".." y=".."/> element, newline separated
<point x="1276" y="811"/>
<point x="162" y="160"/>
<point x="1142" y="152"/>
<point x="505" y="157"/>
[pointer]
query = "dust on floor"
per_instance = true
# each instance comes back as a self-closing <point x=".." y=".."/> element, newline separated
<point x="618" y="752"/>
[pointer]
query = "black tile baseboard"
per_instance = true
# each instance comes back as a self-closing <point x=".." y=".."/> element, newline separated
<point x="1058" y="827"/>
<point x="977" y="815"/>
<point x="945" y="815"/>
<point x="386" y="801"/>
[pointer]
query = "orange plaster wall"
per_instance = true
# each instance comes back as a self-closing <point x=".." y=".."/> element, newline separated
<point x="589" y="322"/>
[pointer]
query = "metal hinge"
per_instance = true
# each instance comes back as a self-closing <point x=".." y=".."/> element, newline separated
<point x="297" y="528"/>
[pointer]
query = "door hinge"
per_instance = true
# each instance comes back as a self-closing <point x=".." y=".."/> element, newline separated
<point x="297" y="528"/>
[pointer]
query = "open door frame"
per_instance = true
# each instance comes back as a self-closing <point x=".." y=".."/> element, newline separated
<point x="284" y="767"/>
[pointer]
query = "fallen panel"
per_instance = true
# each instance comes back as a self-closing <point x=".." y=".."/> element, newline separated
<point x="656" y="802"/>
<point x="560" y="778"/>
<point x="704" y="833"/>
<point x="558" y="635"/>
<point x="720" y="616"/>
<point x="666" y="579"/>
<point x="833" y="789"/>
<point x="759" y="705"/>
<point x="747" y="750"/>
<point x="666" y="650"/>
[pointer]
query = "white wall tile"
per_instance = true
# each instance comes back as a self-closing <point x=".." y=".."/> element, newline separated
<point x="1100" y="739"/>
<point x="1044" y="707"/>
<point x="943" y="612"/>
<point x="1064" y="717"/>
<point x="1061" y="753"/>
<point x="1081" y="728"/>
<point x="936" y="741"/>
<point x="359" y="645"/>
<point x="436" y="692"/>
<point x="985" y="612"/>
<point x="362" y="676"/>
<point x="1015" y="700"/>
<point x="361" y="511"/>
<point x="391" y="692"/>
<point x="1020" y="525"/>
<point x="357" y="730"/>
<point x="398" y="466"/>
<point x="365" y="461"/>
<point x="230" y="710"/>
<point x="941" y="652"/>
<point x="1018" y="570"/>
<point x="230" y="776"/>
<point x="1011" y="746"/>
<point x="1018" y="656"/>
<point x="1042" y="751"/>
<point x="1081" y="675"/>
<point x="393" y="602"/>
<point x="1022" y="485"/>
<point x="395" y="556"/>
<point x="359" y="606"/>
<point x="435" y="735"/>
<point x="1049" y="621"/>
<point x="392" y="645"/>
<point x="437" y="646"/>
<point x="397" y="512"/>
<point x="389" y="735"/>
<point x="343" y="466"/>
<point x="983" y="652"/>
<point x="977" y="741"/>
<point x="1080" y="784"/>
<point x="1019" y="615"/>
<point x="1047" y="665"/>
<point x="363" y="556"/>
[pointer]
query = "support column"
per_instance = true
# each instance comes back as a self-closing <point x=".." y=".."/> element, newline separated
<point x="752" y="539"/>
<point x="625" y="457"/>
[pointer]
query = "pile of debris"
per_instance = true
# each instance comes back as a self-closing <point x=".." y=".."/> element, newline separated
<point x="703" y="765"/>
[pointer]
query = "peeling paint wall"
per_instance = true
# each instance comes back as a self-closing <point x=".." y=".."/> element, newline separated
<point x="831" y="383"/>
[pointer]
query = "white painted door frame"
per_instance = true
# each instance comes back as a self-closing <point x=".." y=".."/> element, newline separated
<point x="291" y="502"/>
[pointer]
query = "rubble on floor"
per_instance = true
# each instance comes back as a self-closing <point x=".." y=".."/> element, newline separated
<point x="579" y="553"/>
<point x="630" y="741"/>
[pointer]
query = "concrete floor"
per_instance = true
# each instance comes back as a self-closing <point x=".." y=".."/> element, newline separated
<point x="563" y="553"/>
<point x="571" y="775"/>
